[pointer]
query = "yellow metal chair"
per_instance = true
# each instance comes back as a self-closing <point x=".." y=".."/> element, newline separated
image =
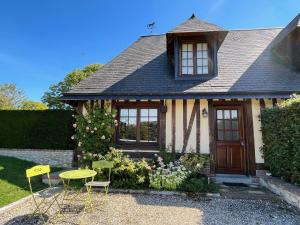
<point x="40" y="170"/>
<point x="98" y="166"/>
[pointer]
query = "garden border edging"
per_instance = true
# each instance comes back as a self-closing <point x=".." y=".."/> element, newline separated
<point x="288" y="192"/>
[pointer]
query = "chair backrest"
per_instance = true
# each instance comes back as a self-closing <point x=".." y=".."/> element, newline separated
<point x="37" y="171"/>
<point x="103" y="164"/>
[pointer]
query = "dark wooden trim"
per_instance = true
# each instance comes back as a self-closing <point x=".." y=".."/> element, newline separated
<point x="173" y="125"/>
<point x="262" y="104"/>
<point x="162" y="130"/>
<point x="184" y="105"/>
<point x="102" y="102"/>
<point x="274" y="102"/>
<point x="212" y="147"/>
<point x="249" y="134"/>
<point x="146" y="104"/>
<point x="197" y="102"/>
<point x="189" y="129"/>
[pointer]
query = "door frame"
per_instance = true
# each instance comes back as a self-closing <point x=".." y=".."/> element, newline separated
<point x="250" y="168"/>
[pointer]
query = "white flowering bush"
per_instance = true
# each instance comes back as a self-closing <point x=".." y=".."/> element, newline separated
<point x="94" y="133"/>
<point x="168" y="176"/>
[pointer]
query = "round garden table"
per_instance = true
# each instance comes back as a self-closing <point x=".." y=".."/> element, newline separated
<point x="80" y="174"/>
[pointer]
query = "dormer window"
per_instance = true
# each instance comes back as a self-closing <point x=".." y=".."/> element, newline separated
<point x="194" y="58"/>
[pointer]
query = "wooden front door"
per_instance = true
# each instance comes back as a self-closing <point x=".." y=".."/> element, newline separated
<point x="229" y="139"/>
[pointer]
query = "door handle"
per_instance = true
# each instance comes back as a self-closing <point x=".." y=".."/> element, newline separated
<point x="242" y="143"/>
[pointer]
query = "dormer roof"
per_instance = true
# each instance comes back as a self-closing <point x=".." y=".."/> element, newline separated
<point x="195" y="25"/>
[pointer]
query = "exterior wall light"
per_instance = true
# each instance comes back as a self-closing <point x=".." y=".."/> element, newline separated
<point x="204" y="113"/>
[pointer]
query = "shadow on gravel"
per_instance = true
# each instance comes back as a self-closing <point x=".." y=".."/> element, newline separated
<point x="28" y="220"/>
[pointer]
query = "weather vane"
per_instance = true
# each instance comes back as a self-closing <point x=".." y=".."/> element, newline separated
<point x="150" y="26"/>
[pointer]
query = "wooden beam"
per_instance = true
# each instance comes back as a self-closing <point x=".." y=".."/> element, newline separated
<point x="262" y="104"/>
<point x="197" y="102"/>
<point x="212" y="150"/>
<point x="184" y="120"/>
<point x="173" y="125"/>
<point x="162" y="130"/>
<point x="274" y="102"/>
<point x="250" y="138"/>
<point x="189" y="129"/>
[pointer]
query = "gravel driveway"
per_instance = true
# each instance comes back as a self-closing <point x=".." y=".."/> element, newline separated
<point x="157" y="209"/>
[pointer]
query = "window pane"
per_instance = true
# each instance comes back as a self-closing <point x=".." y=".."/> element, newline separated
<point x="124" y="120"/>
<point x="204" y="46"/>
<point x="184" y="70"/>
<point x="235" y="135"/>
<point x="152" y="112"/>
<point x="220" y="124"/>
<point x="227" y="135"/>
<point x="234" y="114"/>
<point x="144" y="112"/>
<point x="184" y="62"/>
<point x="124" y="112"/>
<point x="199" y="54"/>
<point x="205" y="70"/>
<point x="226" y="114"/>
<point x="152" y="131"/>
<point x="199" y="46"/>
<point x="184" y="55"/>
<point x="144" y="129"/>
<point x="184" y="47"/>
<point x="220" y="114"/>
<point x="205" y="62"/>
<point x="190" y="55"/>
<point x="199" y="62"/>
<point x="190" y="63"/>
<point x="132" y="112"/>
<point x="190" y="70"/>
<point x="227" y="124"/>
<point x="190" y="47"/>
<point x="234" y="124"/>
<point x="204" y="54"/>
<point x="220" y="135"/>
<point x="200" y="70"/>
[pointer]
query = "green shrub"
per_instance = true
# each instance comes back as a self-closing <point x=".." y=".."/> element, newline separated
<point x="45" y="129"/>
<point x="94" y="131"/>
<point x="281" y="138"/>
<point x="127" y="173"/>
<point x="167" y="176"/>
<point x="167" y="156"/>
<point x="195" y="162"/>
<point x="197" y="183"/>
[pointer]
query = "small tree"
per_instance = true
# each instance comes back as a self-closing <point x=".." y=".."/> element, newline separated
<point x="10" y="96"/>
<point x="32" y="105"/>
<point x="94" y="131"/>
<point x="52" y="97"/>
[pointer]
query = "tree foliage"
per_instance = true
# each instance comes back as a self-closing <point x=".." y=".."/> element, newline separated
<point x="32" y="105"/>
<point x="10" y="96"/>
<point x="51" y="97"/>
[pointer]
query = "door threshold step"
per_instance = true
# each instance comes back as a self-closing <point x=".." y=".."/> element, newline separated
<point x="233" y="179"/>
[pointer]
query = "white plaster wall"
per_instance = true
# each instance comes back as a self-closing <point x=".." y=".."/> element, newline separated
<point x="179" y="126"/>
<point x="204" y="128"/>
<point x="257" y="129"/>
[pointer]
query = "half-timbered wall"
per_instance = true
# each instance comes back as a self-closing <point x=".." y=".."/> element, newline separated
<point x="186" y="127"/>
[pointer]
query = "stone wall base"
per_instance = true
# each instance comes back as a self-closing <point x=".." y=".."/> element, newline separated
<point x="58" y="158"/>
<point x="288" y="192"/>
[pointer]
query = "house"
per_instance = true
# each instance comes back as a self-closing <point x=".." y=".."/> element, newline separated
<point x="198" y="88"/>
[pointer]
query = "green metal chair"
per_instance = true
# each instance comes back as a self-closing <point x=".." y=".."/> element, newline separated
<point x="40" y="170"/>
<point x="99" y="166"/>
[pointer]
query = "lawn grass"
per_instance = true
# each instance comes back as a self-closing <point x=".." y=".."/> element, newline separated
<point x="13" y="183"/>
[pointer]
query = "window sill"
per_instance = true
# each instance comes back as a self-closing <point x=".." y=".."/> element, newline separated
<point x="195" y="77"/>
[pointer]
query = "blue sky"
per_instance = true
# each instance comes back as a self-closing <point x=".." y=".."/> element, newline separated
<point x="41" y="41"/>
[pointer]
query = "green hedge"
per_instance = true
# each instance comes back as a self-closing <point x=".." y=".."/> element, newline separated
<point x="281" y="137"/>
<point x="44" y="129"/>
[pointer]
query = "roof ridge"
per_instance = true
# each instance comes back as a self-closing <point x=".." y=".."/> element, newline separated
<point x="259" y="28"/>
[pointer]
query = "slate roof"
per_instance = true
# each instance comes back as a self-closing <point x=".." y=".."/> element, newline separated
<point x="246" y="69"/>
<point x="194" y="24"/>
